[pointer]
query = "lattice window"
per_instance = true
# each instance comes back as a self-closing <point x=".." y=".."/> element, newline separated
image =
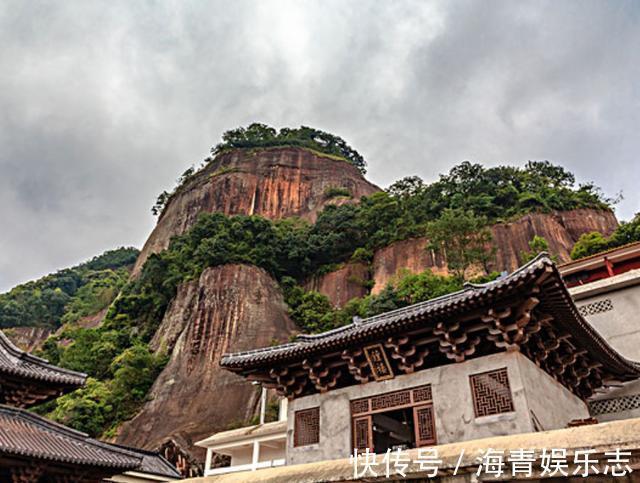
<point x="425" y="425"/>
<point x="422" y="393"/>
<point x="307" y="427"/>
<point x="360" y="406"/>
<point x="362" y="434"/>
<point x="491" y="393"/>
<point x="390" y="400"/>
<point x="614" y="405"/>
<point x="596" y="307"/>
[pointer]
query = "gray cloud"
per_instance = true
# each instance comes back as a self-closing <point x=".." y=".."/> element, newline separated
<point x="104" y="104"/>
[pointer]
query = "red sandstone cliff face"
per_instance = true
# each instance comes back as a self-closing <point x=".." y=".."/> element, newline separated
<point x="560" y="229"/>
<point x="230" y="308"/>
<point x="342" y="285"/>
<point x="410" y="255"/>
<point x="274" y="183"/>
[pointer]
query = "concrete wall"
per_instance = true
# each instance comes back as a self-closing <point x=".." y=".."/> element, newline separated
<point x="621" y="328"/>
<point x="454" y="414"/>
<point x="550" y="403"/>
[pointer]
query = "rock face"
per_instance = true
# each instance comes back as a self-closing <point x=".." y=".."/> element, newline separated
<point x="560" y="229"/>
<point x="28" y="338"/>
<point x="230" y="308"/>
<point x="274" y="183"/>
<point x="410" y="255"/>
<point x="340" y="286"/>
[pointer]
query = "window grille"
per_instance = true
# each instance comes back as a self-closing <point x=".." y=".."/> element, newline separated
<point x="596" y="307"/>
<point x="362" y="433"/>
<point x="390" y="400"/>
<point x="425" y="425"/>
<point x="614" y="405"/>
<point x="360" y="406"/>
<point x="422" y="393"/>
<point x="307" y="427"/>
<point x="491" y="393"/>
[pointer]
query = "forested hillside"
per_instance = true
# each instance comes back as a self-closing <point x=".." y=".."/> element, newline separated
<point x="69" y="294"/>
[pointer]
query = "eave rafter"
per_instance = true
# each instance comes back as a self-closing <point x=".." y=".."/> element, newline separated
<point x="408" y="355"/>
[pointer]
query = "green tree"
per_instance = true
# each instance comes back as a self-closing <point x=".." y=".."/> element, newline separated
<point x="589" y="244"/>
<point x="537" y="244"/>
<point x="462" y="238"/>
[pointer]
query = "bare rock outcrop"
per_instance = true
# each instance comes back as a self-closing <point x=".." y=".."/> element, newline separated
<point x="230" y="308"/>
<point x="275" y="183"/>
<point x="406" y="255"/>
<point x="561" y="229"/>
<point x="348" y="282"/>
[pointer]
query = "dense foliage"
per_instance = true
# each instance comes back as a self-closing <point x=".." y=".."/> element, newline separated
<point x="498" y="194"/>
<point x="68" y="294"/>
<point x="119" y="384"/>
<point x="595" y="242"/>
<point x="313" y="311"/>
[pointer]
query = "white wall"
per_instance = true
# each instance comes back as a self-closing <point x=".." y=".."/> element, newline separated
<point x="454" y="414"/>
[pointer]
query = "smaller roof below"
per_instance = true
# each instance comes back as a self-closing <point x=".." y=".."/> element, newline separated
<point x="152" y="462"/>
<point x="17" y="363"/>
<point x="245" y="434"/>
<point x="26" y="435"/>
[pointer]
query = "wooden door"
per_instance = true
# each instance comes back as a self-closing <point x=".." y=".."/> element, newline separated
<point x="362" y="433"/>
<point x="425" y="425"/>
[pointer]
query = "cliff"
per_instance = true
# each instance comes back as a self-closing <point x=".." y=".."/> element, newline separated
<point x="275" y="183"/>
<point x="348" y="282"/>
<point x="560" y="229"/>
<point x="230" y="308"/>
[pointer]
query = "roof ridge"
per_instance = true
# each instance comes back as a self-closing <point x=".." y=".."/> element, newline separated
<point x="15" y="351"/>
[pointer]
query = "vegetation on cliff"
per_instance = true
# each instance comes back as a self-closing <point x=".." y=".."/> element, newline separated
<point x="595" y="242"/>
<point x="258" y="135"/>
<point x="69" y="294"/>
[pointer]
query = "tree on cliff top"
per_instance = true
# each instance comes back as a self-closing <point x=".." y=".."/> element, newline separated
<point x="259" y="135"/>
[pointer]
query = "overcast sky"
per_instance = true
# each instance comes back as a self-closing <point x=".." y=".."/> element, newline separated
<point x="104" y="104"/>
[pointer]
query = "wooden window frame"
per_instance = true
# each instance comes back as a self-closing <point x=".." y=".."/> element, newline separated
<point x="479" y="409"/>
<point x="303" y="440"/>
<point x="420" y="397"/>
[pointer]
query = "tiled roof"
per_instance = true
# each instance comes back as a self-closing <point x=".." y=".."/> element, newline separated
<point x="632" y="246"/>
<point x="471" y="297"/>
<point x="245" y="433"/>
<point x="24" y="434"/>
<point x="16" y="362"/>
<point x="152" y="462"/>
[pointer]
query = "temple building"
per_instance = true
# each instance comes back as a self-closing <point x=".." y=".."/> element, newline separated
<point x="606" y="290"/>
<point x="512" y="356"/>
<point x="36" y="450"/>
